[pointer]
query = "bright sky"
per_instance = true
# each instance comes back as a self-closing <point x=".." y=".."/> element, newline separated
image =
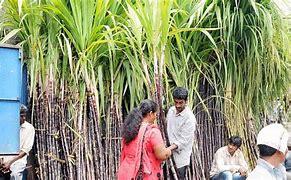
<point x="285" y="6"/>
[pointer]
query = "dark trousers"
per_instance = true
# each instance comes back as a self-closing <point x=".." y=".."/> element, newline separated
<point x="226" y="175"/>
<point x="181" y="172"/>
<point x="5" y="177"/>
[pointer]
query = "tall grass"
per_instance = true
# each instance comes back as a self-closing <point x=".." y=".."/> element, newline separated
<point x="92" y="61"/>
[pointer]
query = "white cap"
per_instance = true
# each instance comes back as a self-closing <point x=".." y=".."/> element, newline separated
<point x="275" y="136"/>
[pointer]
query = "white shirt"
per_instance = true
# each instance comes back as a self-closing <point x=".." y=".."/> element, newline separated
<point x="27" y="133"/>
<point x="181" y="128"/>
<point x="224" y="161"/>
<point x="265" y="171"/>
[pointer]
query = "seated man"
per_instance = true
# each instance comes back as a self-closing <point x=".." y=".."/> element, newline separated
<point x="229" y="162"/>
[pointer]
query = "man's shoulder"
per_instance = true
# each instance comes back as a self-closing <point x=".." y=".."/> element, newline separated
<point x="188" y="111"/>
<point x="222" y="149"/>
<point x="259" y="173"/>
<point x="171" y="112"/>
<point x="27" y="125"/>
<point x="189" y="114"/>
<point x="171" y="109"/>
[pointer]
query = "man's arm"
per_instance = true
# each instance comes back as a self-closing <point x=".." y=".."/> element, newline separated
<point x="28" y="140"/>
<point x="26" y="145"/>
<point x="6" y="165"/>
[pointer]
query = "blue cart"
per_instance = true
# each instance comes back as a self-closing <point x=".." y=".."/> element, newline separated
<point x="12" y="94"/>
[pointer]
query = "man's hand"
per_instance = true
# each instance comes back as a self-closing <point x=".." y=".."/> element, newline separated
<point x="242" y="172"/>
<point x="233" y="170"/>
<point x="6" y="166"/>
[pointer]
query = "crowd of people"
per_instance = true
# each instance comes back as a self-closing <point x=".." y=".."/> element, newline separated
<point x="144" y="150"/>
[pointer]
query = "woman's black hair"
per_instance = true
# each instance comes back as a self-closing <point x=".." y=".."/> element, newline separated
<point x="133" y="120"/>
<point x="147" y="106"/>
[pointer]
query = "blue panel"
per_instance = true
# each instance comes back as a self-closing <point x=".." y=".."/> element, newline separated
<point x="9" y="127"/>
<point x="10" y="74"/>
<point x="10" y="93"/>
<point x="24" y="95"/>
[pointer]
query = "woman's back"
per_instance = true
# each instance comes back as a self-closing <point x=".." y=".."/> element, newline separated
<point x="131" y="154"/>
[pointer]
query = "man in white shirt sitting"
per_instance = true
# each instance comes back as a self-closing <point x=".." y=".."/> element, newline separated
<point x="272" y="144"/>
<point x="229" y="162"/>
<point x="17" y="164"/>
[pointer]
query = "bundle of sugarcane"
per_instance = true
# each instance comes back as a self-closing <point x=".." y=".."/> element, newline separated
<point x="113" y="139"/>
<point x="210" y="126"/>
<point x="90" y="60"/>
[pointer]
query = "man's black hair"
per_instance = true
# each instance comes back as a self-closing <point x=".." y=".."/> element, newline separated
<point x="235" y="140"/>
<point x="23" y="109"/>
<point x="180" y="93"/>
<point x="266" y="150"/>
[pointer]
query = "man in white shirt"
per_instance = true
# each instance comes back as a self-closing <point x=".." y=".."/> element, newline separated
<point x="229" y="162"/>
<point x="17" y="164"/>
<point x="272" y="144"/>
<point x="287" y="162"/>
<point x="181" y="127"/>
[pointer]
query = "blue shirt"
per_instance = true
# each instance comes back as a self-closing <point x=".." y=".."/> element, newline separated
<point x="265" y="171"/>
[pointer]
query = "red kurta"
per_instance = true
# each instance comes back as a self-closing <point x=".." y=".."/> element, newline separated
<point x="131" y="153"/>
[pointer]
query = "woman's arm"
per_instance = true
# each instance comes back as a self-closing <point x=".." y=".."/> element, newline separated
<point x="161" y="152"/>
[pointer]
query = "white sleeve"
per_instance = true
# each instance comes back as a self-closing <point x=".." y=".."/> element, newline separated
<point x="27" y="139"/>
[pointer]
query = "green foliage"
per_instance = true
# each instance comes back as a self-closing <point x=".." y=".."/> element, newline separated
<point x="128" y="48"/>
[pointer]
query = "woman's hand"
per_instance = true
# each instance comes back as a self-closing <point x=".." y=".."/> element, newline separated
<point x="173" y="147"/>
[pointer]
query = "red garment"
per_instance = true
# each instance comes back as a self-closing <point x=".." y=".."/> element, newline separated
<point x="131" y="154"/>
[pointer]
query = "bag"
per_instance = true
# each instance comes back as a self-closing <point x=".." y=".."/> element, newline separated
<point x="139" y="175"/>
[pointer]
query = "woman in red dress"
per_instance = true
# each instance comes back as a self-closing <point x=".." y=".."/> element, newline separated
<point x="141" y="139"/>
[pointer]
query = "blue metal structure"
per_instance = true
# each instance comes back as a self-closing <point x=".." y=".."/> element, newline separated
<point x="10" y="98"/>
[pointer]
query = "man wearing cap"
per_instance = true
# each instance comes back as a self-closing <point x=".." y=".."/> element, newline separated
<point x="272" y="144"/>
<point x="229" y="162"/>
<point x="17" y="164"/>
